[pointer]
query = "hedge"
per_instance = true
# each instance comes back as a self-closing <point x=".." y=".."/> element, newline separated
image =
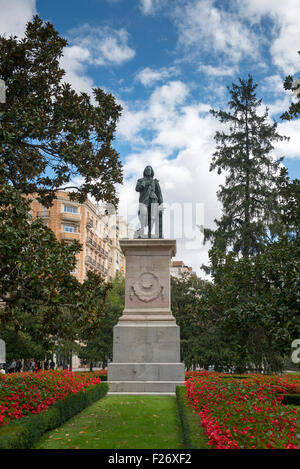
<point x="25" y="432"/>
<point x="194" y="436"/>
<point x="291" y="399"/>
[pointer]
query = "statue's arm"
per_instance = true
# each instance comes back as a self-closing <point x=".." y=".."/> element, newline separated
<point x="158" y="192"/>
<point x="139" y="185"/>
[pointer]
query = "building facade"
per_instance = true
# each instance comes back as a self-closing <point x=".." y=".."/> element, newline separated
<point x="97" y="231"/>
<point x="178" y="268"/>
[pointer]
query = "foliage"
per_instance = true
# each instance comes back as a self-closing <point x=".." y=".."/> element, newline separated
<point x="289" y="191"/>
<point x="203" y="339"/>
<point x="49" y="132"/>
<point x="258" y="301"/>
<point x="246" y="414"/>
<point x="21" y="345"/>
<point x="248" y="316"/>
<point x="249" y="196"/>
<point x="187" y="297"/>
<point x="43" y="301"/>
<point x="194" y="437"/>
<point x="31" y="393"/>
<point x="294" y="109"/>
<point x="25" y="432"/>
<point x="291" y="399"/>
<point x="252" y="304"/>
<point x="98" y="347"/>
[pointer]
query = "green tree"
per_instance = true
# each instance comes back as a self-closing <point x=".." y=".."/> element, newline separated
<point x="203" y="340"/>
<point x="99" y="346"/>
<point x="289" y="192"/>
<point x="249" y="197"/>
<point x="257" y="302"/>
<point x="48" y="132"/>
<point x="34" y="267"/>
<point x="21" y="345"/>
<point x="294" y="86"/>
<point x="42" y="299"/>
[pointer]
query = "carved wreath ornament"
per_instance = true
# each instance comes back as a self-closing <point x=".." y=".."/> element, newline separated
<point x="147" y="287"/>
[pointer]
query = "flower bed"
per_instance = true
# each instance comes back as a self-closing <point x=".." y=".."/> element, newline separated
<point x="244" y="413"/>
<point x="22" y="394"/>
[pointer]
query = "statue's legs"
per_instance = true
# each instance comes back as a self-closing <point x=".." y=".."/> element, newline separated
<point x="143" y="216"/>
<point x="155" y="218"/>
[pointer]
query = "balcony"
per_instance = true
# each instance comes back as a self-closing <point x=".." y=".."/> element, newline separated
<point x="45" y="214"/>
<point x="68" y="216"/>
<point x="92" y="243"/>
<point x="96" y="265"/>
<point x="65" y="235"/>
<point x="95" y="245"/>
<point x="91" y="261"/>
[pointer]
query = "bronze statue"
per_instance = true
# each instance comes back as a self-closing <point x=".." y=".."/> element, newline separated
<point x="150" y="205"/>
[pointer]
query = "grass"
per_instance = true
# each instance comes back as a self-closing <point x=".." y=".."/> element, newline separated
<point x="194" y="434"/>
<point x="120" y="422"/>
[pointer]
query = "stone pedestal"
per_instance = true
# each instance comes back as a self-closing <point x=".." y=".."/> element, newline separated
<point x="146" y="348"/>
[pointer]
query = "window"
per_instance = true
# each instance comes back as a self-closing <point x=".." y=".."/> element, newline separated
<point x="70" y="209"/>
<point x="69" y="228"/>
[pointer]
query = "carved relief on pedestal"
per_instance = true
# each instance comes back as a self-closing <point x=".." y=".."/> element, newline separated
<point x="147" y="287"/>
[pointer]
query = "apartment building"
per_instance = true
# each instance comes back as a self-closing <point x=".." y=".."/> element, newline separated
<point x="96" y="230"/>
<point x="178" y="268"/>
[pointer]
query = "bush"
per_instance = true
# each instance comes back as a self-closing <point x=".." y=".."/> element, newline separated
<point x="245" y="414"/>
<point x="291" y="399"/>
<point x="25" y="432"/>
<point x="234" y="377"/>
<point x="194" y="437"/>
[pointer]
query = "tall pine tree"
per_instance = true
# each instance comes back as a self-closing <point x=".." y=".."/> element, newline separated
<point x="250" y="194"/>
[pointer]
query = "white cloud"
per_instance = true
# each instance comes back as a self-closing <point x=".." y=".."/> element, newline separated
<point x="93" y="46"/>
<point x="290" y="149"/>
<point x="148" y="76"/>
<point x="278" y="106"/>
<point x="149" y="7"/>
<point x="273" y="84"/>
<point x="159" y="109"/>
<point x="106" y="45"/>
<point x="285" y="16"/>
<point x="179" y="148"/>
<point x="73" y="62"/>
<point x="204" y="27"/>
<point x="14" y="16"/>
<point x="218" y="71"/>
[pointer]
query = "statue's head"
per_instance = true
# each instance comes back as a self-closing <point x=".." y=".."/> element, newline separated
<point x="148" y="171"/>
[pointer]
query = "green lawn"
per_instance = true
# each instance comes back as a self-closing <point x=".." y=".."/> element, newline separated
<point x="117" y="422"/>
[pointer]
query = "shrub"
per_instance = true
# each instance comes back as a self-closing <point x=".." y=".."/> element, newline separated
<point x="194" y="437"/>
<point x="245" y="413"/>
<point x="291" y="399"/>
<point x="25" y="393"/>
<point x="25" y="432"/>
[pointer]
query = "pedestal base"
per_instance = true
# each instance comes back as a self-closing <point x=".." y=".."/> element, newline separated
<point x="146" y="358"/>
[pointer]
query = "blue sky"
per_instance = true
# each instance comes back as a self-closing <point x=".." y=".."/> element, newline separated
<point x="168" y="62"/>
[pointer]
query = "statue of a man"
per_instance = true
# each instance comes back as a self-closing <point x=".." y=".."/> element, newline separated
<point x="150" y="204"/>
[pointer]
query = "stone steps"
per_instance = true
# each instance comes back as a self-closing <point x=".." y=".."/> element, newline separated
<point x="151" y="372"/>
<point x="143" y="387"/>
<point x="143" y="393"/>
